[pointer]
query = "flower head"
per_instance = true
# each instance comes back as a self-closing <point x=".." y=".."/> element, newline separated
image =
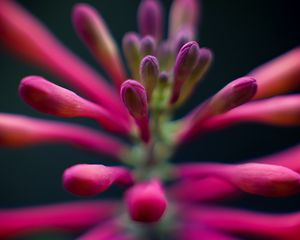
<point x="159" y="197"/>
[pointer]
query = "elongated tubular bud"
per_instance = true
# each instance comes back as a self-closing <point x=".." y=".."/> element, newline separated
<point x="92" y="179"/>
<point x="148" y="46"/>
<point x="134" y="97"/>
<point x="132" y="51"/>
<point x="165" y="56"/>
<point x="184" y="14"/>
<point x="67" y="217"/>
<point x="93" y="31"/>
<point x="20" y="131"/>
<point x="279" y="111"/>
<point x="27" y="37"/>
<point x="149" y="72"/>
<point x="278" y="76"/>
<point x="256" y="178"/>
<point x="182" y="37"/>
<point x="186" y="62"/>
<point x="150" y="19"/>
<point x="50" y="98"/>
<point x="232" y="95"/>
<point x="146" y="202"/>
<point x="246" y="223"/>
<point x="200" y="70"/>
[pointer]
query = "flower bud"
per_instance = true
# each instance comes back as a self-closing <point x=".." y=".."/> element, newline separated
<point x="184" y="14"/>
<point x="134" y="97"/>
<point x="148" y="46"/>
<point x="150" y="19"/>
<point x="149" y="72"/>
<point x="132" y="51"/>
<point x="92" y="179"/>
<point x="186" y="61"/>
<point x="93" y="31"/>
<point x="146" y="202"/>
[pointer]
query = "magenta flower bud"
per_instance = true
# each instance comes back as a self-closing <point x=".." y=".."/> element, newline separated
<point x="150" y="19"/>
<point x="234" y="94"/>
<point x="93" y="31"/>
<point x="184" y="14"/>
<point x="134" y="97"/>
<point x="149" y="72"/>
<point x="165" y="56"/>
<point x="146" y="202"/>
<point x="186" y="61"/>
<point x="50" y="98"/>
<point x="182" y="37"/>
<point x="91" y="179"/>
<point x="148" y="46"/>
<point x="255" y="178"/>
<point x="132" y="50"/>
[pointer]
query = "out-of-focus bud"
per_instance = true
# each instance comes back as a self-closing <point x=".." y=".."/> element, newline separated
<point x="184" y="14"/>
<point x="149" y="72"/>
<point x="132" y="50"/>
<point x="148" y="46"/>
<point x="150" y="19"/>
<point x="182" y="37"/>
<point x="134" y="97"/>
<point x="146" y="202"/>
<point x="93" y="31"/>
<point x="50" y="98"/>
<point x="165" y="55"/>
<point x="186" y="62"/>
<point x="92" y="179"/>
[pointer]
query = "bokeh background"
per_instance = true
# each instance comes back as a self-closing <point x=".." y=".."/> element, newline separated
<point x="242" y="35"/>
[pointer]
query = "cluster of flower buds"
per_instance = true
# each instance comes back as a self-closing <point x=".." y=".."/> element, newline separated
<point x="163" y="75"/>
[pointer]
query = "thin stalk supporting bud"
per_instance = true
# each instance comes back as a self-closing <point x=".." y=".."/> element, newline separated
<point x="186" y="62"/>
<point x="52" y="99"/>
<point x="255" y="178"/>
<point x="134" y="97"/>
<point x="149" y="72"/>
<point x="146" y="202"/>
<point x="150" y="19"/>
<point x="92" y="179"/>
<point x="93" y="31"/>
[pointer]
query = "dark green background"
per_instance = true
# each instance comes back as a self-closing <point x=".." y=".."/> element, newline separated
<point x="242" y="35"/>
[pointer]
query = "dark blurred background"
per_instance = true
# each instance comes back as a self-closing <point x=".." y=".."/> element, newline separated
<point x="242" y="35"/>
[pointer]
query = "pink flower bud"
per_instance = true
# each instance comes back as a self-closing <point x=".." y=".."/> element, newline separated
<point x="134" y="97"/>
<point x="256" y="178"/>
<point x="132" y="51"/>
<point x="184" y="14"/>
<point x="93" y="31"/>
<point x="146" y="202"/>
<point x="186" y="62"/>
<point x="149" y="72"/>
<point x="148" y="46"/>
<point x="50" y="98"/>
<point x="150" y="19"/>
<point x="92" y="179"/>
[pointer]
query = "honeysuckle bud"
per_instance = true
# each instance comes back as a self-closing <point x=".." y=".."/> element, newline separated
<point x="93" y="31"/>
<point x="20" y="131"/>
<point x="184" y="14"/>
<point x="278" y="76"/>
<point x="27" y="37"/>
<point x="149" y="72"/>
<point x="150" y="19"/>
<point x="146" y="202"/>
<point x="279" y="111"/>
<point x="186" y="61"/>
<point x="247" y="223"/>
<point x="132" y="50"/>
<point x="200" y="70"/>
<point x="134" y="97"/>
<point x="50" y="98"/>
<point x="182" y="37"/>
<point x="148" y="46"/>
<point x="67" y="216"/>
<point x="165" y="56"/>
<point x="92" y="179"/>
<point x="256" y="178"/>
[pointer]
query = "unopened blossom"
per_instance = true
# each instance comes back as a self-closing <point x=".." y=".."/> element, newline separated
<point x="161" y="200"/>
